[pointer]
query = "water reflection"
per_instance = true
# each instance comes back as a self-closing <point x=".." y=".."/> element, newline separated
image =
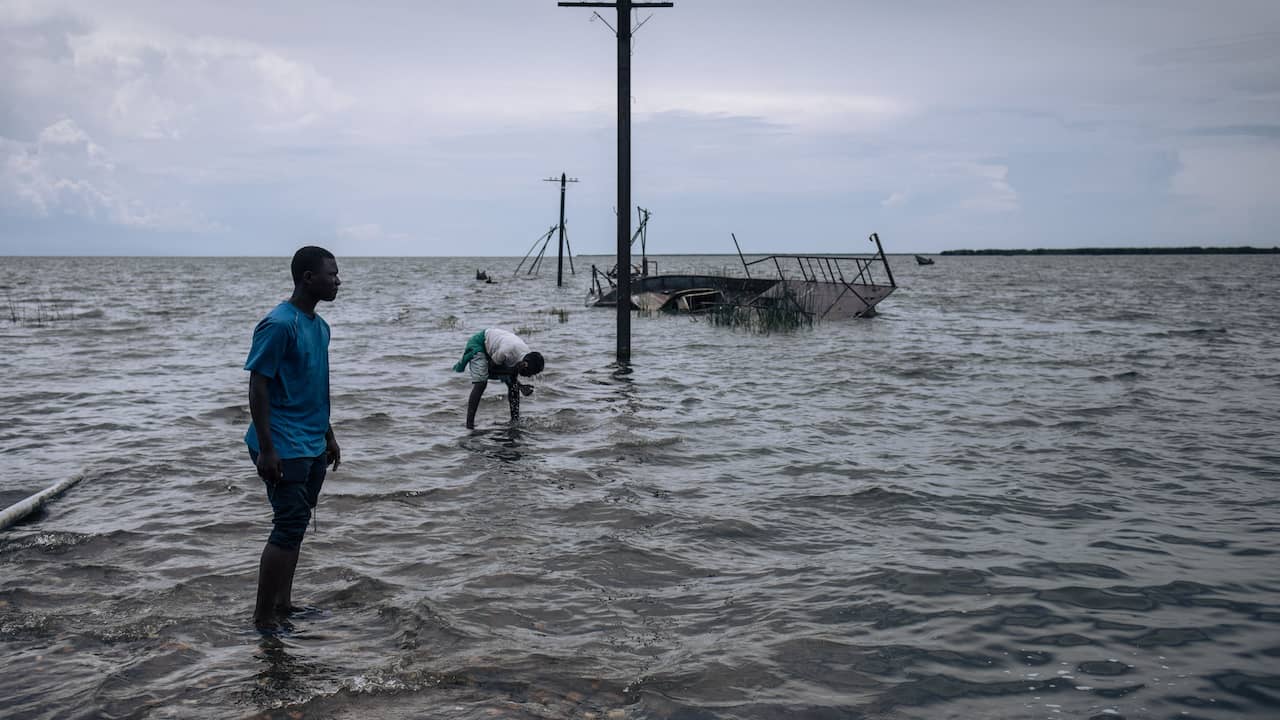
<point x="620" y="377"/>
<point x="284" y="678"/>
<point x="500" y="443"/>
<point x="508" y="439"/>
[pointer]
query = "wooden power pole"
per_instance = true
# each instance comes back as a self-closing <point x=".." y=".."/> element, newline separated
<point x="560" y="262"/>
<point x="623" y="31"/>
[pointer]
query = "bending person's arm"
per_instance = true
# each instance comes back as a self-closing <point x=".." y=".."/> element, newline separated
<point x="513" y="399"/>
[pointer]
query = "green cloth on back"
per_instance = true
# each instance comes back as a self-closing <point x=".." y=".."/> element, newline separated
<point x="475" y="344"/>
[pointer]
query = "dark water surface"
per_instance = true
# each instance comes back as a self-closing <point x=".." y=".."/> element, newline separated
<point x="1032" y="487"/>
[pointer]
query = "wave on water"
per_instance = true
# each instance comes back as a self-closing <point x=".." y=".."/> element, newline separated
<point x="1024" y="490"/>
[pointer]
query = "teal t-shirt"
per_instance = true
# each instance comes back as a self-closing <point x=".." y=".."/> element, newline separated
<point x="292" y="348"/>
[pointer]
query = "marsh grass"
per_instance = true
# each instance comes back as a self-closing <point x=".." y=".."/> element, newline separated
<point x="32" y="313"/>
<point x="560" y="313"/>
<point x="761" y="318"/>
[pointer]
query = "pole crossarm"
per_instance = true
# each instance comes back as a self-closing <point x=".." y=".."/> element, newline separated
<point x="614" y="4"/>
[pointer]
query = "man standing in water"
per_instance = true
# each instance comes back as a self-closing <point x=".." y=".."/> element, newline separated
<point x="290" y="439"/>
<point x="498" y="353"/>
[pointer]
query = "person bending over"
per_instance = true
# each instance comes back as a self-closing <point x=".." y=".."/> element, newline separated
<point x="502" y="354"/>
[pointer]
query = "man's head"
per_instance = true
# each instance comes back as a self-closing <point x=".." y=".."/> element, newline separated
<point x="531" y="364"/>
<point x="315" y="272"/>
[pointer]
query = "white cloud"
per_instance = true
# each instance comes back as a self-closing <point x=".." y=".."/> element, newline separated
<point x="65" y="172"/>
<point x="285" y="118"/>
<point x="1233" y="183"/>
<point x="368" y="233"/>
<point x="993" y="192"/>
<point x="160" y="85"/>
<point x="65" y="134"/>
<point x="22" y="12"/>
<point x="847" y="111"/>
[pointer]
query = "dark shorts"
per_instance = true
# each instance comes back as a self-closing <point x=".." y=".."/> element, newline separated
<point x="293" y="498"/>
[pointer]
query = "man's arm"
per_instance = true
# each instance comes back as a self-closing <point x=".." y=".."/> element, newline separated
<point x="477" y="390"/>
<point x="269" y="465"/>
<point x="332" y="453"/>
<point x="513" y="398"/>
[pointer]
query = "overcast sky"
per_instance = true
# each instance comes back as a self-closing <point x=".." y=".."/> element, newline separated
<point x="242" y="127"/>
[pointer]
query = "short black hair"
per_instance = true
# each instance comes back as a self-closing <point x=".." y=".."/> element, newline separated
<point x="536" y="363"/>
<point x="308" y="258"/>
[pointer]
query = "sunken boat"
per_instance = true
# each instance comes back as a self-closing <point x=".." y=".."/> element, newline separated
<point x="819" y="287"/>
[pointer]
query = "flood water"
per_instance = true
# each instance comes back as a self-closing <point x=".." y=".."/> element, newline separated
<point x="1032" y="487"/>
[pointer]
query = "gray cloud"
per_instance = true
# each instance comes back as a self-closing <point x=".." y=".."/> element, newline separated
<point x="1257" y="131"/>
<point x="245" y="127"/>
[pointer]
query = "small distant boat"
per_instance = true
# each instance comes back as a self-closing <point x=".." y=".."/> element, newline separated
<point x="922" y="260"/>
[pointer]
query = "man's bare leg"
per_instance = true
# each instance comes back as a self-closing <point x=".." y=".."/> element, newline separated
<point x="275" y="579"/>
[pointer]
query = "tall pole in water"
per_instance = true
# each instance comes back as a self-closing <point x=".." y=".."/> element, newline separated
<point x="560" y="262"/>
<point x="560" y="259"/>
<point x="623" y="32"/>
<point x="624" y="181"/>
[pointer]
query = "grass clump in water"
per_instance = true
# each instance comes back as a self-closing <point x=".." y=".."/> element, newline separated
<point x="22" y="313"/>
<point x="761" y="318"/>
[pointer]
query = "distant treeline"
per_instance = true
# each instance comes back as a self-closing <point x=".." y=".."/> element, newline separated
<point x="1123" y="251"/>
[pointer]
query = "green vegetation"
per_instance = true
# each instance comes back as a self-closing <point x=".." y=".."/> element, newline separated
<point x="560" y="313"/>
<point x="762" y="319"/>
<point x="22" y="313"/>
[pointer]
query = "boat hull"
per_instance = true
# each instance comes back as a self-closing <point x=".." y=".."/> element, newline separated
<point x="696" y="293"/>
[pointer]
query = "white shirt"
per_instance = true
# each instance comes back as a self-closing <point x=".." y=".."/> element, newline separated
<point x="504" y="346"/>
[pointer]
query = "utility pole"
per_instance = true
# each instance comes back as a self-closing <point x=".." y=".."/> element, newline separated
<point x="623" y="31"/>
<point x="560" y="264"/>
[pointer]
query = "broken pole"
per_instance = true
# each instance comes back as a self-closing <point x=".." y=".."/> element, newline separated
<point x="19" y="510"/>
<point x="623" y="32"/>
<point x="745" y="269"/>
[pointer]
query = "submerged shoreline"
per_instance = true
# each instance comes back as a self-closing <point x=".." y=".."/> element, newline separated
<point x="1030" y="487"/>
